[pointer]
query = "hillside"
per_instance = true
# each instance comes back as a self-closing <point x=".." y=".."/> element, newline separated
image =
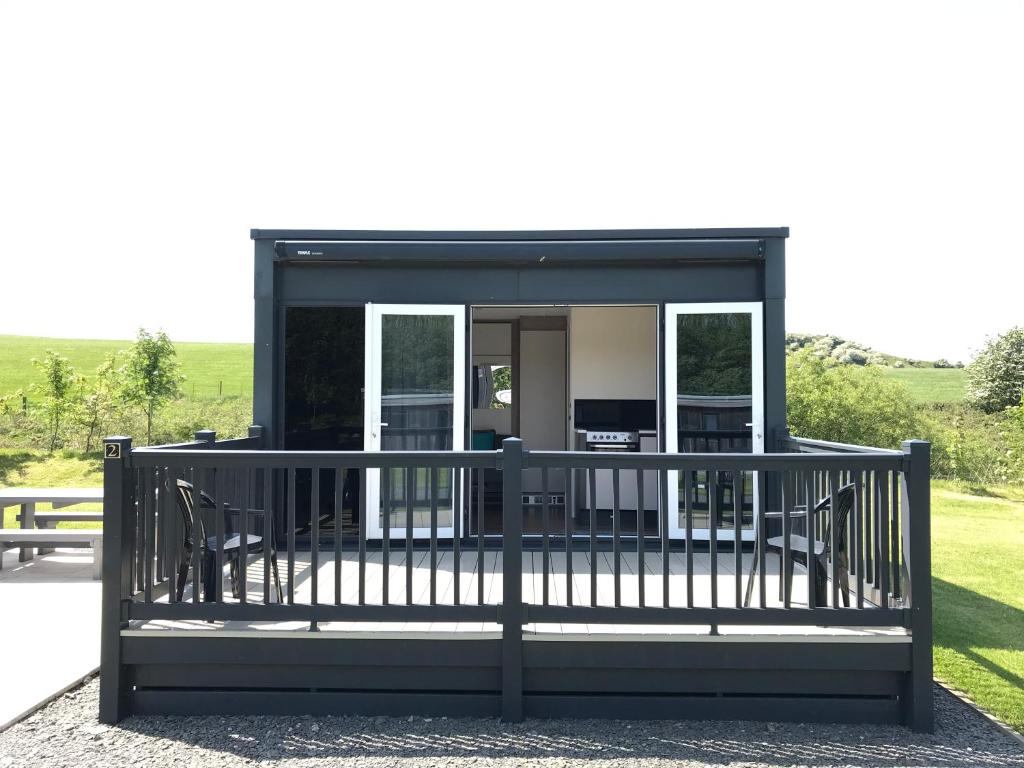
<point x="853" y="353"/>
<point x="211" y="369"/>
<point x="215" y="369"/>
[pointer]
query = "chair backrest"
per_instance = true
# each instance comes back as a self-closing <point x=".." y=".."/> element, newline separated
<point x="185" y="501"/>
<point x="845" y="497"/>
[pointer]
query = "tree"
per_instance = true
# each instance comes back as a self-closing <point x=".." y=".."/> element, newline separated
<point x="995" y="378"/>
<point x="57" y="389"/>
<point x="98" y="400"/>
<point x="846" y="404"/>
<point x="150" y="376"/>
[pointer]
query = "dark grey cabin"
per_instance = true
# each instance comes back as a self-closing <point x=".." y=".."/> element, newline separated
<point x="520" y="473"/>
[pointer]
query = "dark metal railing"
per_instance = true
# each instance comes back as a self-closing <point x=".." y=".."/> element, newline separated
<point x="875" y="557"/>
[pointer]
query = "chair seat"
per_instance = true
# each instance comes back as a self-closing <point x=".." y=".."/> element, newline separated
<point x="234" y="542"/>
<point x="796" y="544"/>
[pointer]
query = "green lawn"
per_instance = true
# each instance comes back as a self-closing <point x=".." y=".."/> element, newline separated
<point x="978" y="568"/>
<point x="210" y="369"/>
<point x="931" y="385"/>
<point x="36" y="469"/>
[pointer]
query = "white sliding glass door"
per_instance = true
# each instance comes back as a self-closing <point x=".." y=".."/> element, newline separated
<point x="714" y="403"/>
<point x="415" y="401"/>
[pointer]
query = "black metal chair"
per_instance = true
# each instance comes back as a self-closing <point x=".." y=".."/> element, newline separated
<point x="822" y="549"/>
<point x="208" y="554"/>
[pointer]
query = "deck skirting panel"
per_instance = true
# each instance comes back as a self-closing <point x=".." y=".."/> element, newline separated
<point x="629" y="678"/>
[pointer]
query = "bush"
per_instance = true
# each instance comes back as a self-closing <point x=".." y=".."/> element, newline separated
<point x="995" y="378"/>
<point x="847" y="404"/>
<point x="974" y="447"/>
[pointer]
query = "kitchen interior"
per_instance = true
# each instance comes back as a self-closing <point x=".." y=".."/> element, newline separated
<point x="566" y="378"/>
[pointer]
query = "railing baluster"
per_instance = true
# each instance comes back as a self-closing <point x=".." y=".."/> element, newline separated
<point x="480" y="536"/>
<point x="616" y="537"/>
<point x="339" y="501"/>
<point x="592" y="484"/>
<point x="146" y="507"/>
<point x="688" y="478"/>
<point x="291" y="535"/>
<point x="433" y="535"/>
<point x="410" y="494"/>
<point x="809" y="526"/>
<point x="786" y="571"/>
<point x="737" y="532"/>
<point x="457" y="533"/>
<point x="712" y="486"/>
<point x="856" y="534"/>
<point x="168" y="517"/>
<point x="385" y="513"/>
<point x="570" y="513"/>
<point x="139" y="577"/>
<point x="243" y="537"/>
<point x="869" y="528"/>
<point x="545" y="524"/>
<point x="158" y="533"/>
<point x="894" y="534"/>
<point x="833" y="544"/>
<point x="663" y="530"/>
<point x="268" y="525"/>
<point x="640" y="530"/>
<point x="197" y="532"/>
<point x="762" y="492"/>
<point x="314" y="543"/>
<point x="363" y="514"/>
<point x="883" y="536"/>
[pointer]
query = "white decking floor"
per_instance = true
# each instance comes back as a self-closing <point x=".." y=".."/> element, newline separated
<point x="533" y="581"/>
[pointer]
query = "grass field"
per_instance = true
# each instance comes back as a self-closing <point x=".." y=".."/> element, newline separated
<point x="931" y="385"/>
<point x="978" y="568"/>
<point x="210" y="369"/>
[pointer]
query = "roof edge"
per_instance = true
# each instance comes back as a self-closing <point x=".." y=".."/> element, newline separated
<point x="723" y="233"/>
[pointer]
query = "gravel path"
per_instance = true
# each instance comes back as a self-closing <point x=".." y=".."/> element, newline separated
<point x="66" y="733"/>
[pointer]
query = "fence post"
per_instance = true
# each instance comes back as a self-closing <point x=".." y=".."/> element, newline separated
<point x="512" y="608"/>
<point x="255" y="430"/>
<point x="118" y="524"/>
<point x="206" y="436"/>
<point x="915" y="526"/>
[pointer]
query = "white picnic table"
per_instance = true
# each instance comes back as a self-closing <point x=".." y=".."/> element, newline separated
<point x="27" y="498"/>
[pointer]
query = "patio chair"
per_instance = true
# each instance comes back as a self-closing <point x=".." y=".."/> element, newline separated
<point x="208" y="553"/>
<point x="822" y="550"/>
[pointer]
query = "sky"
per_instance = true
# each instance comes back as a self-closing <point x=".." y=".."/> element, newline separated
<point x="140" y="142"/>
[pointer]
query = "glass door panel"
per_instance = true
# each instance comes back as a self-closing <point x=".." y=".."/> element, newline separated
<point x="713" y="404"/>
<point x="415" y="390"/>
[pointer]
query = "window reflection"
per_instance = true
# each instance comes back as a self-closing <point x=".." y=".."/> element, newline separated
<point x="715" y="408"/>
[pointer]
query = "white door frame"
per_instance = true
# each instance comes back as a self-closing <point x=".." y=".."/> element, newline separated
<point x="372" y="404"/>
<point x="756" y="311"/>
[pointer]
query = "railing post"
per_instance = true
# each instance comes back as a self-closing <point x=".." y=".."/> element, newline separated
<point x="118" y="524"/>
<point x="206" y="436"/>
<point x="512" y="609"/>
<point x="915" y="526"/>
<point x="255" y="430"/>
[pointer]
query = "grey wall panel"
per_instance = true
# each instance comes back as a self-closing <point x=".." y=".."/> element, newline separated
<point x="447" y="284"/>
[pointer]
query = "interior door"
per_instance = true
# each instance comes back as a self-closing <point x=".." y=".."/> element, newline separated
<point x="415" y="401"/>
<point x="714" y="403"/>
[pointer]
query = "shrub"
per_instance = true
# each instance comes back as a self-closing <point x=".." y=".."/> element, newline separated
<point x="995" y="378"/>
<point x="150" y="376"/>
<point x="847" y="404"/>
<point x="974" y="447"/>
<point x="58" y="392"/>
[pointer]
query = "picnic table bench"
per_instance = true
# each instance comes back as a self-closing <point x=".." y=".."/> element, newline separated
<point x="48" y="537"/>
<point x="81" y="538"/>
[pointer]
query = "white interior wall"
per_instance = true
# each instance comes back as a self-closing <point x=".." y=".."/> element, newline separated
<point x="542" y="406"/>
<point x="613" y="353"/>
